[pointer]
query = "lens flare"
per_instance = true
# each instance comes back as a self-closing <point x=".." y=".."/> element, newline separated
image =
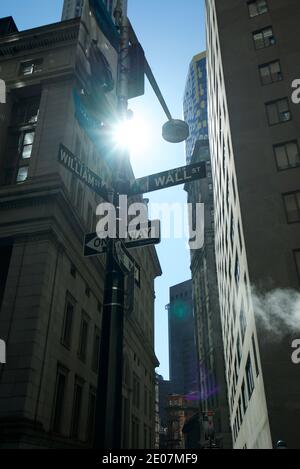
<point x="131" y="135"/>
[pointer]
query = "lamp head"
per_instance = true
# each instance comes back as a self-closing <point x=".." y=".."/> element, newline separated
<point x="175" y="131"/>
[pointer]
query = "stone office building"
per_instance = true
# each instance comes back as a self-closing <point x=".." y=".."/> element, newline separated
<point x="50" y="295"/>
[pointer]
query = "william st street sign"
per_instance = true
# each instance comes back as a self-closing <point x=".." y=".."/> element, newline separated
<point x="154" y="182"/>
<point x="173" y="177"/>
<point x="86" y="175"/>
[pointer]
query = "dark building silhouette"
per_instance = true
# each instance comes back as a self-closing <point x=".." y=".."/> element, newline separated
<point x="182" y="344"/>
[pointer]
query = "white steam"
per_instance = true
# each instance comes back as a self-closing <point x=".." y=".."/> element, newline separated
<point x="278" y="310"/>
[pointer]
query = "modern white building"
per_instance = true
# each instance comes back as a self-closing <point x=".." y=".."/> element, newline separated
<point x="253" y="55"/>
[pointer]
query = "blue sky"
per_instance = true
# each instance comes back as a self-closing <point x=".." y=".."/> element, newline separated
<point x="171" y="32"/>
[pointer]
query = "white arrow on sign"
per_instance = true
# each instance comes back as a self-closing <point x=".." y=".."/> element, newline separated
<point x="126" y="261"/>
<point x="93" y="246"/>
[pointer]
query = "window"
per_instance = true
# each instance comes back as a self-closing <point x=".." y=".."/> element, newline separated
<point x="87" y="291"/>
<point x="270" y="73"/>
<point x="22" y="174"/>
<point x="96" y="350"/>
<point x="91" y="415"/>
<point x="26" y="144"/>
<point x="79" y="198"/>
<point x="240" y="413"/>
<point x="249" y="376"/>
<point x="145" y="436"/>
<point x="151" y="405"/>
<point x="26" y="111"/>
<point x="237" y="270"/>
<point x="232" y="229"/>
<point x="292" y="206"/>
<point x="239" y="350"/>
<point x="264" y="38"/>
<point x="20" y="140"/>
<point x="59" y="398"/>
<point x="240" y="235"/>
<point x="244" y="398"/>
<point x="255" y="356"/>
<point x="5" y="256"/>
<point x="83" y="338"/>
<point x="136" y="391"/>
<point x="73" y="187"/>
<point x="278" y="111"/>
<point x="26" y="139"/>
<point x="145" y="401"/>
<point x="297" y="259"/>
<point x="66" y="338"/>
<point x="287" y="155"/>
<point x="77" y="401"/>
<point x="31" y="66"/>
<point x="73" y="270"/>
<point x="150" y="439"/>
<point x="135" y="433"/>
<point x="257" y="7"/>
<point x="243" y="323"/>
<point x="89" y="217"/>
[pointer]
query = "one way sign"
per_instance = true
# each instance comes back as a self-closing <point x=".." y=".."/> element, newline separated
<point x="93" y="246"/>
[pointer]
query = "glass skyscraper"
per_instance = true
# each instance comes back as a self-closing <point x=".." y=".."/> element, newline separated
<point x="73" y="8"/>
<point x="195" y="103"/>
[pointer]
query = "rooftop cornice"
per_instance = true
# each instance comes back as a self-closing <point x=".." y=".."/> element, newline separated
<point x="37" y="38"/>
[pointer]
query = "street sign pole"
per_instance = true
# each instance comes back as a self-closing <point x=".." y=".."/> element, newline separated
<point x="108" y="428"/>
<point x="108" y="417"/>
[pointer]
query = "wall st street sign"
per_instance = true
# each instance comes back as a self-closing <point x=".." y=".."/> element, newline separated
<point x="86" y="175"/>
<point x="173" y="177"/>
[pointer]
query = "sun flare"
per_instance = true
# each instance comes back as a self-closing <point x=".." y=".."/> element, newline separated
<point x="131" y="134"/>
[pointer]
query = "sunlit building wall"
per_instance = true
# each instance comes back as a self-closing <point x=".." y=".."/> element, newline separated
<point x="253" y="55"/>
<point x="211" y="367"/>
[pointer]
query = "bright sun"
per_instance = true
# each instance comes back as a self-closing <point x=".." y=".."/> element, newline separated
<point x="131" y="134"/>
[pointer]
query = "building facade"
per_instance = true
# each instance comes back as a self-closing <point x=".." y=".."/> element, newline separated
<point x="50" y="295"/>
<point x="253" y="57"/>
<point x="210" y="354"/>
<point x="182" y="345"/>
<point x="73" y="8"/>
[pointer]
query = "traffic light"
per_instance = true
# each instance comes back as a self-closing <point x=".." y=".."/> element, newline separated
<point x="136" y="86"/>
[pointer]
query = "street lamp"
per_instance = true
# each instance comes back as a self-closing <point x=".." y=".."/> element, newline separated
<point x="175" y="131"/>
